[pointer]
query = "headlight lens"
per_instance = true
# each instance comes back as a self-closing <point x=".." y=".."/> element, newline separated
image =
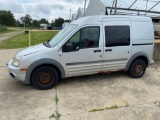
<point x="16" y="61"/>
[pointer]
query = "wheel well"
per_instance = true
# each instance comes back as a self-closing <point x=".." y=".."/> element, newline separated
<point x="59" y="73"/>
<point x="142" y="58"/>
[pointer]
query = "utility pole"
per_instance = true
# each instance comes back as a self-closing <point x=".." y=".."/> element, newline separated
<point x="112" y="7"/>
<point x="146" y="7"/>
<point x="115" y="11"/>
<point x="24" y="25"/>
<point x="70" y="15"/>
<point x="84" y="7"/>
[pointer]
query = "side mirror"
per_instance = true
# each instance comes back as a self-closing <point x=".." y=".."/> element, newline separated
<point x="67" y="47"/>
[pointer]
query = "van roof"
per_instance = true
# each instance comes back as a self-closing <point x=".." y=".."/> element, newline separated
<point x="99" y="18"/>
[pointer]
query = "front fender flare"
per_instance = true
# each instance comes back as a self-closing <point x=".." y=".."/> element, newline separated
<point x="43" y="62"/>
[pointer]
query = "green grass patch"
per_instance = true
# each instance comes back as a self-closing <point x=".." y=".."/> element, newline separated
<point x="56" y="99"/>
<point x="108" y="108"/>
<point x="6" y="31"/>
<point x="56" y="116"/>
<point x="22" y="40"/>
<point x="97" y="109"/>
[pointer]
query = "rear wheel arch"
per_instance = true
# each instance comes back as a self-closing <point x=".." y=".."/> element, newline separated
<point x="141" y="56"/>
<point x="144" y="59"/>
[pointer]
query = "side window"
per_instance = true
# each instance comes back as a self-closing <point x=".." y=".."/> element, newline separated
<point x="87" y="37"/>
<point x="90" y="37"/>
<point x="117" y="36"/>
<point x="75" y="41"/>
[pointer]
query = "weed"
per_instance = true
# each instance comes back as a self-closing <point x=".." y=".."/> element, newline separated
<point x="56" y="116"/>
<point x="106" y="108"/>
<point x="56" y="99"/>
<point x="98" y="109"/>
<point x="127" y="104"/>
<point x="113" y="107"/>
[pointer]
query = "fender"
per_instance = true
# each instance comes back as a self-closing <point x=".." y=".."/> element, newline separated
<point x="43" y="62"/>
<point x="139" y="54"/>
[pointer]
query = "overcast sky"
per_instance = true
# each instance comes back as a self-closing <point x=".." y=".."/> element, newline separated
<point x="49" y="9"/>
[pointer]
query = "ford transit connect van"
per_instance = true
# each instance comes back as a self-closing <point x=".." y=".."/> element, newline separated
<point x="87" y="46"/>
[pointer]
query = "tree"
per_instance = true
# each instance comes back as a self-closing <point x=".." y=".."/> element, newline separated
<point x="36" y="24"/>
<point x="27" y="20"/>
<point x="7" y="18"/>
<point x="53" y="23"/>
<point x="18" y="24"/>
<point x="43" y="21"/>
<point x="59" y="22"/>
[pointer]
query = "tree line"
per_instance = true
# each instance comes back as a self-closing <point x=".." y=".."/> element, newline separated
<point x="7" y="18"/>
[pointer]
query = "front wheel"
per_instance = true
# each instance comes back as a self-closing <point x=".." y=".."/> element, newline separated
<point x="44" y="78"/>
<point x="137" y="69"/>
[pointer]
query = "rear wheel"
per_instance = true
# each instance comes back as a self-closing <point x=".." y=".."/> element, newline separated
<point x="137" y="69"/>
<point x="44" y="78"/>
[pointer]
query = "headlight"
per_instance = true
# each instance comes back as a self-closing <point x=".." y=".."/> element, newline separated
<point x="16" y="61"/>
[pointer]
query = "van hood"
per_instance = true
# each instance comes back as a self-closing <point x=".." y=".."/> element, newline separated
<point x="31" y="50"/>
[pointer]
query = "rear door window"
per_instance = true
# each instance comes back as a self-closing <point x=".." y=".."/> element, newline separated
<point x="117" y="36"/>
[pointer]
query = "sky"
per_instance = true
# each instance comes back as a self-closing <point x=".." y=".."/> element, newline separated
<point x="48" y="9"/>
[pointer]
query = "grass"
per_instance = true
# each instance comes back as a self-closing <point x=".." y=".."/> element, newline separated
<point x="21" y="41"/>
<point x="6" y="31"/>
<point x="56" y="99"/>
<point x="55" y="116"/>
<point x="108" y="108"/>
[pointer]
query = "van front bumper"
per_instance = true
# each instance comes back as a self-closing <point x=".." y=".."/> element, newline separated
<point x="15" y="72"/>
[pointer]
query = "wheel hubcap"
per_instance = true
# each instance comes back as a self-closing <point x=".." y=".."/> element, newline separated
<point x="45" y="78"/>
<point x="139" y="69"/>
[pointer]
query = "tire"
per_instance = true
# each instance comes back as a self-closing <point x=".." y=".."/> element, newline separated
<point x="137" y="69"/>
<point x="44" y="78"/>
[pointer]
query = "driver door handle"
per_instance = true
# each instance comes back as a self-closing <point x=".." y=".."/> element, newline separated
<point x="97" y="51"/>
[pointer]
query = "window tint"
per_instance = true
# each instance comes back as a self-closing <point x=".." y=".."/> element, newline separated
<point x="87" y="37"/>
<point x="75" y="41"/>
<point x="117" y="36"/>
<point x="90" y="37"/>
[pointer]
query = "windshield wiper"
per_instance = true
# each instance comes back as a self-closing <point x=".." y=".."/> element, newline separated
<point x="47" y="44"/>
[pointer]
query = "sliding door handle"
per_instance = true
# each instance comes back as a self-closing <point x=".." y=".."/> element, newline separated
<point x="108" y="50"/>
<point x="97" y="51"/>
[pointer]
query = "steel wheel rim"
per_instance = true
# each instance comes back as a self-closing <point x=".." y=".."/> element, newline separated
<point x="45" y="78"/>
<point x="139" y="68"/>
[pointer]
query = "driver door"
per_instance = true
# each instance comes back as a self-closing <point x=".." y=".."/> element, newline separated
<point x="82" y="53"/>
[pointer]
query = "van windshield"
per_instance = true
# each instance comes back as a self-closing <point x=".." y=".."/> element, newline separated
<point x="61" y="35"/>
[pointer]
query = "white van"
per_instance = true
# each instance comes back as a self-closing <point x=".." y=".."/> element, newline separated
<point x="87" y="46"/>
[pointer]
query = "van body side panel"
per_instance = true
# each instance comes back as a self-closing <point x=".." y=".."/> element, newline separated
<point x="143" y="38"/>
<point x="116" y="57"/>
